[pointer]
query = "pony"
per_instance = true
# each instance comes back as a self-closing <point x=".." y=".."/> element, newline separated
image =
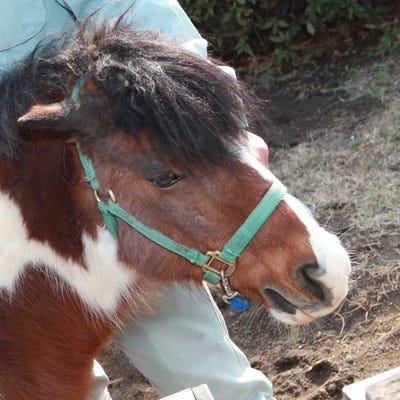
<point x="126" y="164"/>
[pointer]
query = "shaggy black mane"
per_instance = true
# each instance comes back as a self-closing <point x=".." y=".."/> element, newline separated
<point x="189" y="107"/>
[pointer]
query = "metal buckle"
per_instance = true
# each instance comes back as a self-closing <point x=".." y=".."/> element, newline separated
<point x="215" y="255"/>
<point x="110" y="193"/>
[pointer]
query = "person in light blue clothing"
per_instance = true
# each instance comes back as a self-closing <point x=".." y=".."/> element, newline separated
<point x="186" y="343"/>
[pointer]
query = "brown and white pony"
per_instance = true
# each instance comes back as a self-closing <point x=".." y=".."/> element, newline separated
<point x="165" y="131"/>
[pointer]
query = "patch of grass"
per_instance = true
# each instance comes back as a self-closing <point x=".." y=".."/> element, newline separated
<point x="389" y="134"/>
<point x="356" y="143"/>
<point x="389" y="44"/>
<point x="377" y="80"/>
<point x="361" y="173"/>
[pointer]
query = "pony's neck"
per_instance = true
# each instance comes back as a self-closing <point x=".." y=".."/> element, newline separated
<point x="55" y="339"/>
<point x="45" y="324"/>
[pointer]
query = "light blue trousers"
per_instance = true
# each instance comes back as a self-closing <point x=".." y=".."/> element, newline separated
<point x="184" y="345"/>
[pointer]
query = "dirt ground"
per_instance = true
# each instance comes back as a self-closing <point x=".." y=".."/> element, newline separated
<point x="335" y="143"/>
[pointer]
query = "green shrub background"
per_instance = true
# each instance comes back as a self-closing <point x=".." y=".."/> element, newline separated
<point x="276" y="28"/>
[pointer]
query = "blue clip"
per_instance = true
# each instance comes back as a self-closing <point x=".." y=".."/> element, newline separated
<point x="239" y="303"/>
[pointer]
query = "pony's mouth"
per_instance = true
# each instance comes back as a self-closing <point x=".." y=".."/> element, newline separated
<point x="283" y="305"/>
<point x="279" y="301"/>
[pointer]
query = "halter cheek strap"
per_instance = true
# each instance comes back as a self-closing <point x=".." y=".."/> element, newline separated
<point x="111" y="210"/>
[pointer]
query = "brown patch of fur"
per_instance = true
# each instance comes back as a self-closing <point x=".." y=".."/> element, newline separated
<point x="48" y="340"/>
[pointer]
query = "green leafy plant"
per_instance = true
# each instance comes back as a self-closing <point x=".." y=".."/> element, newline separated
<point x="274" y="28"/>
<point x="389" y="43"/>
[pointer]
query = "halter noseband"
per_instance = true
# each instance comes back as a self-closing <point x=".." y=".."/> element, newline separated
<point x="111" y="210"/>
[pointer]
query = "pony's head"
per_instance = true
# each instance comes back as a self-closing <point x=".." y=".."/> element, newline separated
<point x="167" y="132"/>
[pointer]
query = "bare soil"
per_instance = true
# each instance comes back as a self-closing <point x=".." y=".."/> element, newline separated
<point x="335" y="143"/>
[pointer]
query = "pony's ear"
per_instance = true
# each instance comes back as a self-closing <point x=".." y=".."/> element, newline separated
<point x="258" y="148"/>
<point x="63" y="116"/>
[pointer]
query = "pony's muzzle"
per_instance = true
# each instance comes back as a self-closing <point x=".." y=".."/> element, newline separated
<point x="317" y="297"/>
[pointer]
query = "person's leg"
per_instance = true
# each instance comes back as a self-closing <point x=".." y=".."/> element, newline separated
<point x="186" y="344"/>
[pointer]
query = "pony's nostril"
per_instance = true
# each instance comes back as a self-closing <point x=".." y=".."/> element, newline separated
<point x="313" y="270"/>
<point x="308" y="275"/>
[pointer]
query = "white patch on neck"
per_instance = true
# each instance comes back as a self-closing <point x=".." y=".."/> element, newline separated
<point x="101" y="285"/>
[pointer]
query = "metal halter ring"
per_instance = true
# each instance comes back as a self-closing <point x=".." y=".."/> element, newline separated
<point x="215" y="255"/>
<point x="110" y="193"/>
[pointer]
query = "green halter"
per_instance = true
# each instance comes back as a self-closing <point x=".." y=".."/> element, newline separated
<point x="111" y="210"/>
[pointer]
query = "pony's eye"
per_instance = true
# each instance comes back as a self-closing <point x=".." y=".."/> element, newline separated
<point x="165" y="180"/>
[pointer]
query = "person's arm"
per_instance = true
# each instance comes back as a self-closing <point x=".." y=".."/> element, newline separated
<point x="166" y="16"/>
